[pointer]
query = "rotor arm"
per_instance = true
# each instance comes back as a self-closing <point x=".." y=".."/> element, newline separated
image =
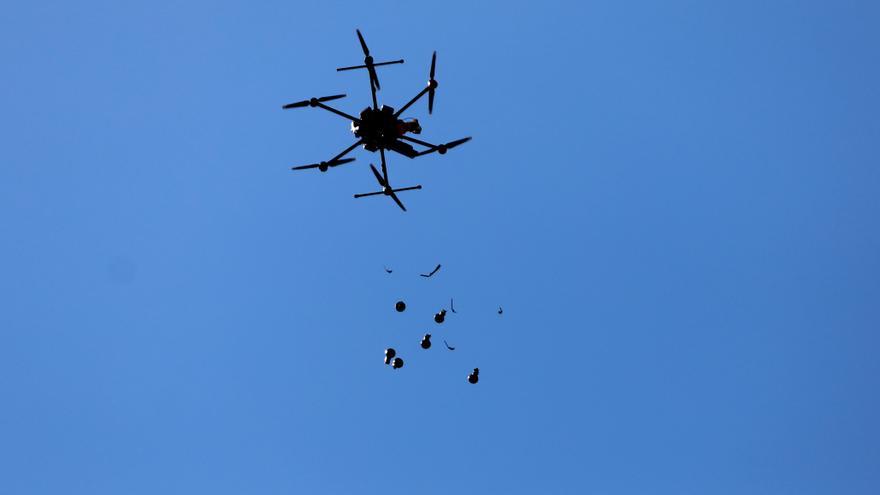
<point x="417" y="141"/>
<point x="384" y="167"/>
<point x="432" y="85"/>
<point x="337" y="112"/>
<point x="415" y="99"/>
<point x="333" y="162"/>
<point x="345" y="151"/>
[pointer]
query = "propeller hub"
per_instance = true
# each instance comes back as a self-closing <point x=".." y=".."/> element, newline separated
<point x="323" y="166"/>
<point x="432" y="83"/>
<point x="441" y="149"/>
<point x="368" y="60"/>
<point x="313" y="102"/>
<point x="386" y="190"/>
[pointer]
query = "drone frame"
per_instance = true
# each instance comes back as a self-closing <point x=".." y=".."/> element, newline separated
<point x="393" y="144"/>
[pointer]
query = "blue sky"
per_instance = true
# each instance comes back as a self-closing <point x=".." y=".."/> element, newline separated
<point x="676" y="204"/>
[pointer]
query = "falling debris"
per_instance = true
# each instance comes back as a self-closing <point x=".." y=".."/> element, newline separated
<point x="400" y="306"/>
<point x="398" y="363"/>
<point x="451" y="306"/>
<point x="474" y="377"/>
<point x="387" y="270"/>
<point x="427" y="275"/>
<point x="500" y="311"/>
<point x="448" y="347"/>
<point x="389" y="355"/>
<point x="439" y="317"/>
<point x="426" y="341"/>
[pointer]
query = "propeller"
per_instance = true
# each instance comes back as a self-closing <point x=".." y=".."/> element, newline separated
<point x="432" y="83"/>
<point x="323" y="166"/>
<point x="452" y="144"/>
<point x="382" y="179"/>
<point x="443" y="148"/>
<point x="378" y="176"/>
<point x="363" y="43"/>
<point x="368" y="61"/>
<point x="312" y="102"/>
<point x="397" y="200"/>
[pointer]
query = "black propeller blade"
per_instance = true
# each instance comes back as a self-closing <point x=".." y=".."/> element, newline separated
<point x="323" y="166"/>
<point x="363" y="43"/>
<point x="432" y="84"/>
<point x="391" y="192"/>
<point x="368" y="61"/>
<point x="369" y="194"/>
<point x="455" y="143"/>
<point x="387" y="191"/>
<point x="397" y="200"/>
<point x="443" y="148"/>
<point x="312" y="102"/>
<point x="340" y="69"/>
<point x="378" y="176"/>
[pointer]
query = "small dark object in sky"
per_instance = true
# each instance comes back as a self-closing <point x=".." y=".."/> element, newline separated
<point x="447" y="346"/>
<point x="389" y="355"/>
<point x="500" y="311"/>
<point x="397" y="363"/>
<point x="387" y="270"/>
<point x="426" y="341"/>
<point x="439" y="317"/>
<point x="432" y="272"/>
<point x="380" y="127"/>
<point x="400" y="306"/>
<point x="474" y="377"/>
<point x="451" y="307"/>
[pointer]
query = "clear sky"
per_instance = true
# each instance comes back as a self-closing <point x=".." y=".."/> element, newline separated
<point x="676" y="203"/>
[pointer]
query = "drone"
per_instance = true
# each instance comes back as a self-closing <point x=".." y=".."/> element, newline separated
<point x="380" y="128"/>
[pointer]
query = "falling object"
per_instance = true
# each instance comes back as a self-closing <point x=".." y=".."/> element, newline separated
<point x="389" y="355"/>
<point x="428" y="275"/>
<point x="474" y="377"/>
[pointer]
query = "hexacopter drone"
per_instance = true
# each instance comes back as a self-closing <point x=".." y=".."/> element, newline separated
<point x="381" y="128"/>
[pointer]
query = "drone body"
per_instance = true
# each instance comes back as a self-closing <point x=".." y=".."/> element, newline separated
<point x="380" y="128"/>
